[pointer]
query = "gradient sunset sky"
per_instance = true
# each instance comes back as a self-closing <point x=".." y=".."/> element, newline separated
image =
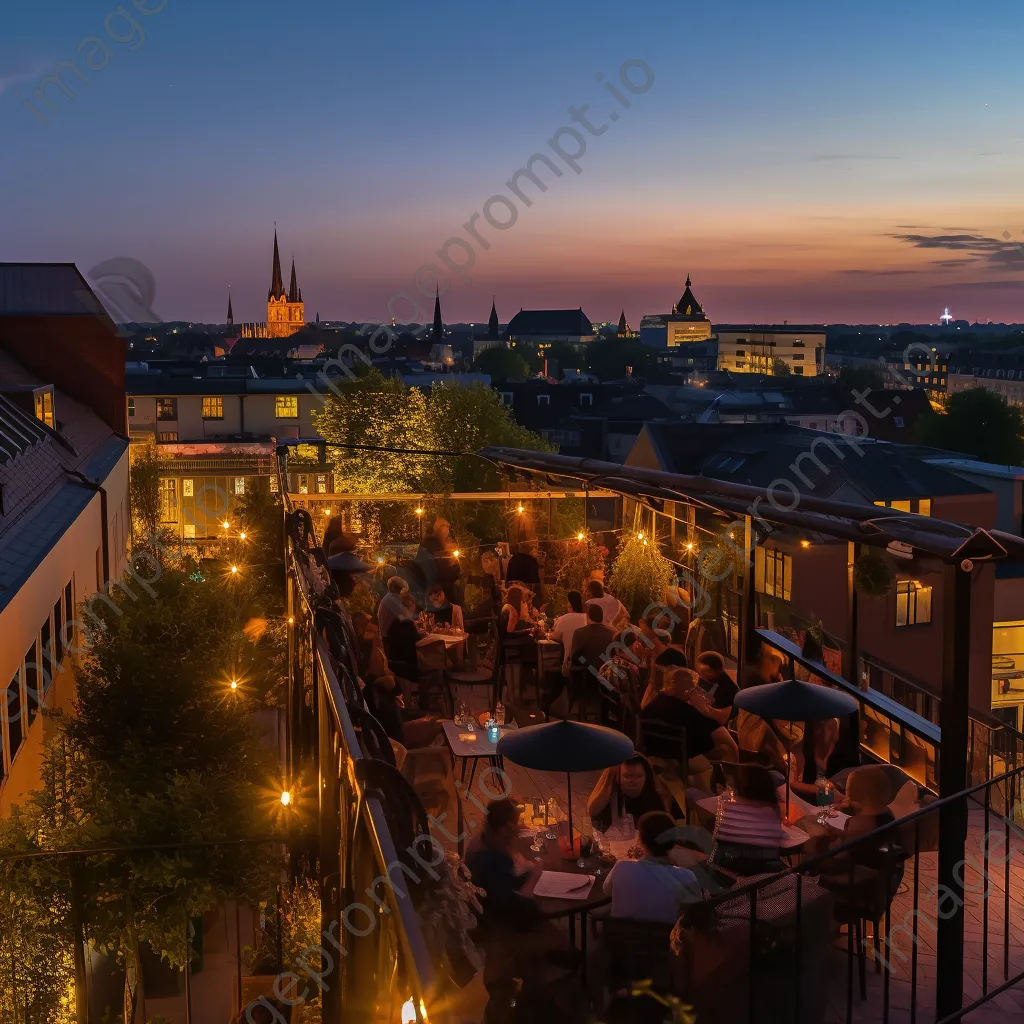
<point x="805" y="161"/>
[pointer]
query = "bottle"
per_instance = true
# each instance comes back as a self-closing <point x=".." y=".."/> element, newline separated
<point x="499" y="713"/>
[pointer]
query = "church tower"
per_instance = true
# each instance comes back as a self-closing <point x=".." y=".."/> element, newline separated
<point x="493" y="327"/>
<point x="286" y="312"/>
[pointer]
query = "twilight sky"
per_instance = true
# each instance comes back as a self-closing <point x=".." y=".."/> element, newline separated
<point x="805" y="161"/>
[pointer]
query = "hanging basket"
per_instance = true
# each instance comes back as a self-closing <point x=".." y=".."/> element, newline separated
<point x="873" y="576"/>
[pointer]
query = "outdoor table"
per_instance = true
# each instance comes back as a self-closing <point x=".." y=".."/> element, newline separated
<point x="473" y="749"/>
<point x="791" y="838"/>
<point x="550" y="654"/>
<point x="449" y="640"/>
<point x="551" y="859"/>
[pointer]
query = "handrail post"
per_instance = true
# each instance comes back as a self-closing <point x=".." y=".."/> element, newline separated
<point x="954" y="722"/>
<point x="750" y="642"/>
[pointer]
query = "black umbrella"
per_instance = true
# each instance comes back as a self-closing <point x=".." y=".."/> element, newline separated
<point x="794" y="701"/>
<point x="566" y="747"/>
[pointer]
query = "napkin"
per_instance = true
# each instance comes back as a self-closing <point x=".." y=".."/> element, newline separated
<point x="563" y="885"/>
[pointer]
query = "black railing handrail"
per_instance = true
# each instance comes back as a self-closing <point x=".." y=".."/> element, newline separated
<point x="410" y="932"/>
<point x="869" y="838"/>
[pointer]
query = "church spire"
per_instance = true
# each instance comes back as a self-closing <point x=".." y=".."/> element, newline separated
<point x="294" y="294"/>
<point x="437" y="335"/>
<point x="623" y="326"/>
<point x="231" y="315"/>
<point x="276" y="281"/>
<point x="493" y="326"/>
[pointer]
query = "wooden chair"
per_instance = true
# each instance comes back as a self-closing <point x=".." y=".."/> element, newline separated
<point x="477" y="672"/>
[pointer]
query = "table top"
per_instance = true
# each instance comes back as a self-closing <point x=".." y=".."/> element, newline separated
<point x="480" y="746"/>
<point x="791" y="835"/>
<point x="448" y="639"/>
<point x="550" y="859"/>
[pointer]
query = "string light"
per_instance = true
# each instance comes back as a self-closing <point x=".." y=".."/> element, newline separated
<point x="291" y="620"/>
<point x="226" y="525"/>
<point x="520" y="509"/>
<point x="286" y="798"/>
<point x="380" y="561"/>
<point x="327" y="511"/>
<point x="805" y="543"/>
<point x="419" y="511"/>
<point x="234" y="684"/>
<point x="234" y="570"/>
<point x="689" y="546"/>
<point x="579" y="536"/>
<point x="640" y="535"/>
<point x="241" y="536"/>
<point x="456" y="552"/>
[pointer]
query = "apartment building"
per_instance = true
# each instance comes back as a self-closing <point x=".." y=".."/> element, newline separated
<point x="64" y="514"/>
<point x="757" y="348"/>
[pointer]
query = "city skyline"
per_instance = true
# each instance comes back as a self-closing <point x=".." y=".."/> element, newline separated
<point x="801" y="164"/>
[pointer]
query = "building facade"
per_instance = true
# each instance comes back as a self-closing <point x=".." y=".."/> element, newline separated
<point x="756" y="348"/>
<point x="686" y="324"/>
<point x="65" y="523"/>
<point x="286" y="312"/>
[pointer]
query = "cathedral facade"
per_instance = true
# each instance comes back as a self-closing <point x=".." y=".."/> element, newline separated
<point x="286" y="312"/>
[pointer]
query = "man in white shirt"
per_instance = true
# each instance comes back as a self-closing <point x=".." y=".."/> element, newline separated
<point x="652" y="889"/>
<point x="615" y="614"/>
<point x="566" y="625"/>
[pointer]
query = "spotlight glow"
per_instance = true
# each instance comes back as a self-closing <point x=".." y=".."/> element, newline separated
<point x="234" y="570"/>
<point x="579" y="536"/>
<point x="286" y="798"/>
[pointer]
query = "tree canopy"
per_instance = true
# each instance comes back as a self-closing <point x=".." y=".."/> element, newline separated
<point x="609" y="359"/>
<point x="501" y="363"/>
<point x="977" y="422"/>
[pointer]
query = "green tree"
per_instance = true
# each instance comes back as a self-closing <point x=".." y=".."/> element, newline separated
<point x="780" y="368"/>
<point x="501" y="363"/>
<point x="610" y="359"/>
<point x="160" y="749"/>
<point x="144" y="492"/>
<point x="377" y="412"/>
<point x="977" y="422"/>
<point x="859" y="378"/>
<point x="567" y="356"/>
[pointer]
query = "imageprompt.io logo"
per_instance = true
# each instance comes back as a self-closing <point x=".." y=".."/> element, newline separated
<point x="127" y="289"/>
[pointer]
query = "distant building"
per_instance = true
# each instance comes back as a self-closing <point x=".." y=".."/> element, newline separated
<point x="687" y="323"/>
<point x="65" y="524"/>
<point x="286" y="312"/>
<point x="547" y="326"/>
<point x="754" y="348"/>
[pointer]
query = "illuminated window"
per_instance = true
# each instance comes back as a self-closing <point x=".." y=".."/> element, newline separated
<point x="773" y="573"/>
<point x="131" y="406"/>
<point x="187" y="488"/>
<point x="213" y="407"/>
<point x="239" y="485"/>
<point x="167" y="436"/>
<point x="321" y="483"/>
<point x="169" y="500"/>
<point x="273" y="484"/>
<point x="166" y="408"/>
<point x="190" y="531"/>
<point x="913" y="603"/>
<point x="44" y="408"/>
<point x="286" y="407"/>
<point x="919" y="506"/>
<point x="303" y="484"/>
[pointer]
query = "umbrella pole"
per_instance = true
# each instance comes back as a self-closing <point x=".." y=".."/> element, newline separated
<point x="789" y="777"/>
<point x="568" y="781"/>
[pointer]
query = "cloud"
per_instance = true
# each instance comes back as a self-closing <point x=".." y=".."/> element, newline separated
<point x="983" y="250"/>
<point x="13" y="73"/>
<point x="835" y="157"/>
<point x="1004" y="284"/>
<point x="880" y="273"/>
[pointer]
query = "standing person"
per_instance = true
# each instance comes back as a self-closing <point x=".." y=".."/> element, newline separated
<point x="566" y="625"/>
<point x="436" y="558"/>
<point x="332" y="532"/>
<point x="393" y="606"/>
<point x="523" y="567"/>
<point x="615" y="613"/>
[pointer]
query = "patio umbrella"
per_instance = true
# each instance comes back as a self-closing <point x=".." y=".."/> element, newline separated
<point x="795" y="701"/>
<point x="566" y="747"/>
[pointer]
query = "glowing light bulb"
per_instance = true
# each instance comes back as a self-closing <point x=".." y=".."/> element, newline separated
<point x="456" y="552"/>
<point x="805" y="543"/>
<point x="226" y="525"/>
<point x="234" y="684"/>
<point x="640" y="535"/>
<point x="291" y="620"/>
<point x="286" y="798"/>
<point x="241" y="536"/>
<point x="380" y="561"/>
<point x="579" y="536"/>
<point x="520" y="509"/>
<point x="408" y="1012"/>
<point x="419" y="511"/>
<point x="234" y="570"/>
<point x="689" y="547"/>
<point x="327" y="511"/>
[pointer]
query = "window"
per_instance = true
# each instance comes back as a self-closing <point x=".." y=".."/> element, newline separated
<point x="44" y="646"/>
<point x="586" y="399"/>
<point x="741" y="351"/>
<point x="303" y="484"/>
<point x="33" y="691"/>
<point x="773" y="573"/>
<point x="213" y="407"/>
<point x="273" y="484"/>
<point x="913" y="603"/>
<point x="169" y="500"/>
<point x="543" y="399"/>
<point x="507" y="398"/>
<point x="321" y="483"/>
<point x="897" y="421"/>
<point x="13" y="710"/>
<point x="919" y="506"/>
<point x="798" y="370"/>
<point x="190" y="531"/>
<point x="44" y="408"/>
<point x="58" y="633"/>
<point x="797" y="355"/>
<point x="239" y="485"/>
<point x="286" y="407"/>
<point x="166" y="408"/>
<point x="167" y="436"/>
<point x="187" y="489"/>
<point x="131" y="406"/>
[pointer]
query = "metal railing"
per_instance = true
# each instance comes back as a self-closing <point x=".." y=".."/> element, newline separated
<point x="923" y="917"/>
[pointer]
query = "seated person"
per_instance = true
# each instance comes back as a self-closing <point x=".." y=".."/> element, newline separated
<point x="393" y="606"/>
<point x="566" y="625"/>
<point x="817" y="757"/>
<point x="629" y="788"/>
<point x="515" y="613"/>
<point x="662" y="650"/>
<point x="678" y="712"/>
<point x="750" y="828"/>
<point x="443" y="611"/>
<point x="494" y="868"/>
<point x="590" y="643"/>
<point x="652" y="889"/>
<point x="615" y="614"/>
<point x="718" y="685"/>
<point x="868" y="794"/>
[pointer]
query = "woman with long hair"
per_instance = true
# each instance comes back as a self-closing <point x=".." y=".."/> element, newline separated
<point x="515" y="613"/>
